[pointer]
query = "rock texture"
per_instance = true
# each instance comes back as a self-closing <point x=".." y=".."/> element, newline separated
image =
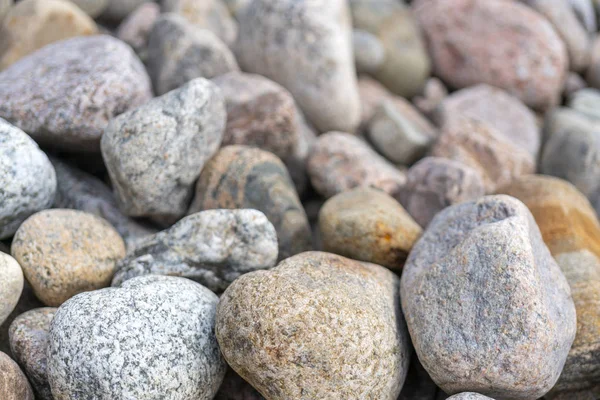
<point x="135" y="29"/>
<point x="152" y="339"/>
<point x="286" y="330"/>
<point x="155" y="153"/>
<point x="11" y="285"/>
<point x="469" y="396"/>
<point x="486" y="305"/>
<point x="13" y="383"/>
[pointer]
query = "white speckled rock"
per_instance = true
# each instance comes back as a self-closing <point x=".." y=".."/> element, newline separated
<point x="11" y="285"/>
<point x="469" y="396"/>
<point x="27" y="179"/>
<point x="152" y="339"/>
<point x="154" y="154"/>
<point x="306" y="46"/>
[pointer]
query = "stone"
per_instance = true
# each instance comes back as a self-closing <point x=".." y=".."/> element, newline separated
<point x="154" y="154"/>
<point x="11" y="285"/>
<point x="296" y="161"/>
<point x="135" y="29"/>
<point x="260" y="113"/>
<point x="418" y="384"/>
<point x="573" y="84"/>
<point x="485" y="149"/>
<point x="487" y="307"/>
<point x="29" y="342"/>
<point x="236" y="6"/>
<point x="179" y="52"/>
<point x="436" y="183"/>
<point x="368" y="225"/>
<point x="13" y="383"/>
<point x="27" y="178"/>
<point x="432" y="96"/>
<point x="93" y="8"/>
<point x="246" y="177"/>
<point x="306" y="47"/>
<point x="584" y="11"/>
<point x="592" y="75"/>
<point x="66" y="252"/>
<point x="153" y="338"/>
<point x="287" y="332"/>
<point x="118" y="10"/>
<point x="340" y="161"/>
<point x="32" y="24"/>
<point x="586" y="102"/>
<point x="5" y="5"/>
<point x="79" y="190"/>
<point x="469" y="396"/>
<point x="369" y="54"/>
<point x="95" y="79"/>
<point x="502" y="43"/>
<point x="234" y="387"/>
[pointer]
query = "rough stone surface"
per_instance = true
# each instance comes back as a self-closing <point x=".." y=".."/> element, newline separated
<point x="432" y="96"/>
<point x="179" y="52"/>
<point x="486" y="305"/>
<point x="287" y="331"/>
<point x="66" y="252"/>
<point x="528" y="58"/>
<point x="369" y="53"/>
<point x="28" y="342"/>
<point x="155" y="153"/>
<point x="117" y="10"/>
<point x="27" y="179"/>
<point x="13" y="383"/>
<point x="340" y="161"/>
<point x="234" y="387"/>
<point x="368" y="225"/>
<point x="153" y="338"/>
<point x="245" y="177"/>
<point x="469" y="396"/>
<point x="436" y="183"/>
<point x="93" y="8"/>
<point x="306" y="47"/>
<point x="135" y="29"/>
<point x="11" y="285"/>
<point x="67" y="101"/>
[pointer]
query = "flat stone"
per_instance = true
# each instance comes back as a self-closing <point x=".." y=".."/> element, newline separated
<point x="153" y="338"/>
<point x="118" y="10"/>
<point x="13" y="383"/>
<point x="154" y="154"/>
<point x="234" y="387"/>
<point x="469" y="396"/>
<point x="135" y="29"/>
<point x="287" y="331"/>
<point x="11" y="285"/>
<point x="66" y="252"/>
<point x="487" y="307"/>
<point x="369" y="53"/>
<point x="246" y="177"/>
<point x="95" y="79"/>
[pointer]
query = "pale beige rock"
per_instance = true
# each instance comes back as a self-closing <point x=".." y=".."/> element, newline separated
<point x="11" y="285"/>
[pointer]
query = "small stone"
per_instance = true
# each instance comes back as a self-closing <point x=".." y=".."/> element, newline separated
<point x="584" y="11"/>
<point x="573" y="84"/>
<point x="135" y="29"/>
<point x="432" y="96"/>
<point x="94" y="79"/>
<point x="93" y="8"/>
<point x="27" y="179"/>
<point x="368" y="225"/>
<point x="369" y="53"/>
<point x="118" y="10"/>
<point x="234" y="387"/>
<point x="179" y="52"/>
<point x="469" y="396"/>
<point x="66" y="252"/>
<point x="151" y="339"/>
<point x="306" y="47"/>
<point x="502" y="43"/>
<point x="11" y="285"/>
<point x="340" y="161"/>
<point x="478" y="288"/>
<point x="436" y="183"/>
<point x="29" y="341"/>
<point x="154" y="154"/>
<point x="287" y="331"/>
<point x="246" y="177"/>
<point x="586" y="101"/>
<point x="13" y="383"/>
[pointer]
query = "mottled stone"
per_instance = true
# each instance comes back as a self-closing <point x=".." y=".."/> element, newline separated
<point x="27" y="179"/>
<point x="369" y="53"/>
<point x="486" y="305"/>
<point x="245" y="177"/>
<point x="234" y="387"/>
<point x="29" y="341"/>
<point x="586" y="101"/>
<point x="154" y="154"/>
<point x="118" y="10"/>
<point x="340" y="161"/>
<point x="135" y="29"/>
<point x="432" y="96"/>
<point x="436" y="183"/>
<point x="179" y="52"/>
<point x="418" y="384"/>
<point x="66" y="252"/>
<point x="13" y="383"/>
<point x="502" y="43"/>
<point x="287" y="331"/>
<point x="469" y="396"/>
<point x="11" y="285"/>
<point x="368" y="225"/>
<point x="67" y="101"/>
<point x="306" y="47"/>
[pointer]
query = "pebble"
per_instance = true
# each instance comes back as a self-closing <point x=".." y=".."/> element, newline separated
<point x="469" y="396"/>
<point x="287" y="331"/>
<point x="584" y="11"/>
<point x="155" y="153"/>
<point x="306" y="47"/>
<point x="66" y="252"/>
<point x="246" y="177"/>
<point x="436" y="183"/>
<point x="432" y="96"/>
<point x="135" y="29"/>
<point x="486" y="305"/>
<point x="501" y="43"/>
<point x="340" y="161"/>
<point x="369" y="54"/>
<point x="573" y="84"/>
<point x="93" y="8"/>
<point x="152" y="338"/>
<point x="586" y="101"/>
<point x="368" y="225"/>
<point x="118" y="10"/>
<point x="179" y="52"/>
<point x="27" y="178"/>
<point x="13" y="383"/>
<point x="234" y="387"/>
<point x="29" y="342"/>
<point x="94" y="79"/>
<point x="11" y="285"/>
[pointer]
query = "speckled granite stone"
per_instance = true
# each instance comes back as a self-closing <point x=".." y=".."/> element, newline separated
<point x="154" y="154"/>
<point x="11" y="285"/>
<point x="13" y="383"/>
<point x="288" y="331"/>
<point x="151" y="339"/>
<point x="469" y="396"/>
<point x="487" y="307"/>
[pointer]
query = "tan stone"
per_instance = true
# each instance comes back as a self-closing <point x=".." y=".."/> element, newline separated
<point x="11" y="285"/>
<point x="13" y="382"/>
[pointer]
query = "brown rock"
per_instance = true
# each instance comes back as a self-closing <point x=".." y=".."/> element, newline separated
<point x="13" y="383"/>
